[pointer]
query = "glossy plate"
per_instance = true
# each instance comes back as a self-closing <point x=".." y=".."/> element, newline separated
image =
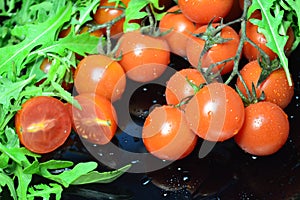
<point x="225" y="173"/>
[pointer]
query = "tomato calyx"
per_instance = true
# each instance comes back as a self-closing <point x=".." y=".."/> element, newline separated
<point x="267" y="69"/>
<point x="251" y="97"/>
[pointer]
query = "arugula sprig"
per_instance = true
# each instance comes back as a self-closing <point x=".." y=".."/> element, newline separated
<point x="277" y="16"/>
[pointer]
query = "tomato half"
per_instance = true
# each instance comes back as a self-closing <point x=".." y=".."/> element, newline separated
<point x="181" y="30"/>
<point x="178" y="87"/>
<point x="265" y="130"/>
<point x="275" y="87"/>
<point x="166" y="134"/>
<point x="96" y="121"/>
<point x="144" y="58"/>
<point x="203" y="11"/>
<point x="101" y="75"/>
<point x="215" y="113"/>
<point x="217" y="53"/>
<point x="43" y="124"/>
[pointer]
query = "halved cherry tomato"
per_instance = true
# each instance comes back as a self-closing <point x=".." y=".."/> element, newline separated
<point x="265" y="129"/>
<point x="96" y="121"/>
<point x="166" y="134"/>
<point x="275" y="87"/>
<point x="217" y="53"/>
<point x="179" y="85"/>
<point x="43" y="124"/>
<point x="216" y="112"/>
<point x="203" y="11"/>
<point x="101" y="75"/>
<point x="250" y="52"/>
<point x="144" y="58"/>
<point x="181" y="30"/>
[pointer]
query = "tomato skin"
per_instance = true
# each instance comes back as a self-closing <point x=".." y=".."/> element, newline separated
<point x="182" y="28"/>
<point x="43" y="124"/>
<point x="144" y="58"/>
<point x="215" y="113"/>
<point x="166" y="134"/>
<point x="104" y="15"/>
<point x="250" y="52"/>
<point x="275" y="87"/>
<point x="216" y="53"/>
<point x="96" y="122"/>
<point x="178" y="87"/>
<point x="203" y="11"/>
<point x="101" y="75"/>
<point x="265" y="129"/>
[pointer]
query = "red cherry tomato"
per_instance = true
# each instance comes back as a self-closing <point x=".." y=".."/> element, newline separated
<point x="203" y="11"/>
<point x="215" y="113"/>
<point x="250" y="52"/>
<point x="275" y="87"/>
<point x="43" y="124"/>
<point x="178" y="87"/>
<point x="265" y="129"/>
<point x="181" y="30"/>
<point x="166" y="134"/>
<point x="67" y="84"/>
<point x="101" y="75"/>
<point x="217" y="52"/>
<point x="105" y="15"/>
<point x="96" y="121"/>
<point x="144" y="58"/>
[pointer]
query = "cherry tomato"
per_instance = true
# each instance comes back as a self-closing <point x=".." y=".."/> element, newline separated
<point x="104" y="15"/>
<point x="43" y="124"/>
<point x="275" y="87"/>
<point x="217" y="52"/>
<point x="101" y="75"/>
<point x="144" y="58"/>
<point x="203" y="11"/>
<point x="166" y="134"/>
<point x="181" y="30"/>
<point x="235" y="12"/>
<point x="250" y="52"/>
<point x="96" y="121"/>
<point x="215" y="113"/>
<point x="178" y="87"/>
<point x="265" y="129"/>
<point x="67" y="83"/>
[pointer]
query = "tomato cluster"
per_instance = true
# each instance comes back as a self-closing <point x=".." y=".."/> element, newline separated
<point x="199" y="106"/>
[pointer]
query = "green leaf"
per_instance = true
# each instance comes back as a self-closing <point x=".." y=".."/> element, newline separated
<point x="68" y="177"/>
<point x="269" y="26"/>
<point x="23" y="183"/>
<point x="35" y="35"/>
<point x="100" y="177"/>
<point x="45" y="191"/>
<point x="6" y="180"/>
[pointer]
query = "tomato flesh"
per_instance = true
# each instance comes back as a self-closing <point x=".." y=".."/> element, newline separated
<point x="43" y="124"/>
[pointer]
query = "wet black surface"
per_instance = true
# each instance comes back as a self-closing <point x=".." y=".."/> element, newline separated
<point x="225" y="173"/>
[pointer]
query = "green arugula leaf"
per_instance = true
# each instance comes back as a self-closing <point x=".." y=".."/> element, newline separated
<point x="35" y="35"/>
<point x="269" y="26"/>
<point x="6" y="180"/>
<point x="100" y="177"/>
<point x="68" y="177"/>
<point x="44" y="191"/>
<point x="23" y="182"/>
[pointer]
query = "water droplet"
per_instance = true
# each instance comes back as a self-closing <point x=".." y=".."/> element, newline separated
<point x="135" y="161"/>
<point x="186" y="178"/>
<point x="254" y="157"/>
<point x="165" y="193"/>
<point x="145" y="180"/>
<point x="179" y="168"/>
<point x="111" y="153"/>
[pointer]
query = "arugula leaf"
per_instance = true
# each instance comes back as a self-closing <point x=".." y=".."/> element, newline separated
<point x="6" y="180"/>
<point x="100" y="177"/>
<point x="35" y="35"/>
<point x="270" y="26"/>
<point x="23" y="182"/>
<point x="44" y="191"/>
